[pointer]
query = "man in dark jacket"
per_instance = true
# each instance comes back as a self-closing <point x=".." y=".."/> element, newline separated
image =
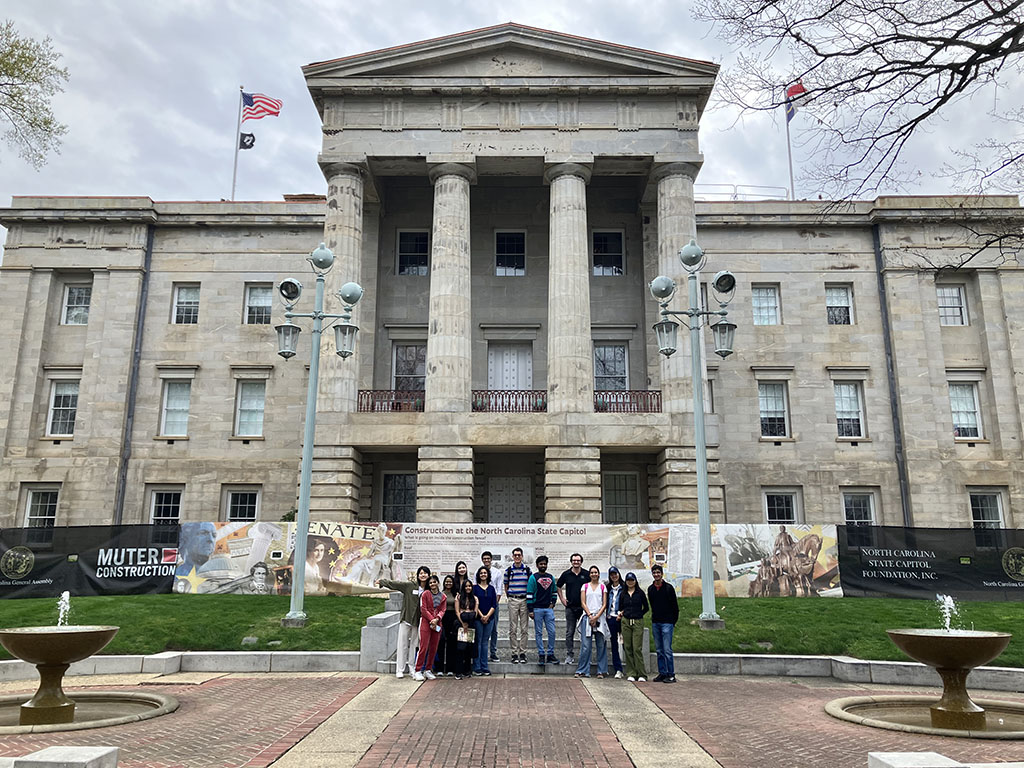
<point x="664" y="615"/>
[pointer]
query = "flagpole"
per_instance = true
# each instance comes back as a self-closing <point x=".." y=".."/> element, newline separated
<point x="238" y="129"/>
<point x="789" y="152"/>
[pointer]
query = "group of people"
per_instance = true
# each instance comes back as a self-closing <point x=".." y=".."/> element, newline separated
<point x="448" y="625"/>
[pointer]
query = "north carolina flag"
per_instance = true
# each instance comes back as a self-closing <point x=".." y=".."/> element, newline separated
<point x="793" y="94"/>
<point x="256" y="106"/>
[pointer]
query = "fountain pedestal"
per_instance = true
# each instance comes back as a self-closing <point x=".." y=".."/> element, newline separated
<point x="52" y="650"/>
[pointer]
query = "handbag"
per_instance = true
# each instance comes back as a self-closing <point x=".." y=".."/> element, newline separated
<point x="466" y="635"/>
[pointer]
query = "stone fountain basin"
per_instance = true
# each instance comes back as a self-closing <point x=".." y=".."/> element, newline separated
<point x="950" y="649"/>
<point x="56" y="645"/>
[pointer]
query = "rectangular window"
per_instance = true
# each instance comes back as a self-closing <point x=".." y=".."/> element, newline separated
<point x="63" y="408"/>
<point x="782" y="506"/>
<point x="952" y="301"/>
<point x="510" y="254"/>
<point x="259" y="300"/>
<point x="186" y="305"/>
<point x="249" y="408"/>
<point x="76" y="304"/>
<point x="620" y="497"/>
<point x="963" y="402"/>
<point x="243" y="505"/>
<point x="413" y="253"/>
<point x="764" y="300"/>
<point x="177" y="398"/>
<point x="399" y="501"/>
<point x="410" y="367"/>
<point x="849" y="409"/>
<point x="859" y="516"/>
<point x="165" y="506"/>
<point x="41" y="509"/>
<point x="987" y="517"/>
<point x="771" y="396"/>
<point x="609" y="254"/>
<point x="839" y="304"/>
<point x="611" y="370"/>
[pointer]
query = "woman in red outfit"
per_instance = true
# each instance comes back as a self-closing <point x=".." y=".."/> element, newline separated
<point x="432" y="606"/>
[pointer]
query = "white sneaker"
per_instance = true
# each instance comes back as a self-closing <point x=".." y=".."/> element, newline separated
<point x="399" y="674"/>
<point x="429" y="675"/>
<point x="631" y="679"/>
<point x="618" y="675"/>
<point x="641" y="679"/>
<point x="418" y="677"/>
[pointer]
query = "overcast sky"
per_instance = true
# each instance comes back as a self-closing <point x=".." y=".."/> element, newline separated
<point x="152" y="100"/>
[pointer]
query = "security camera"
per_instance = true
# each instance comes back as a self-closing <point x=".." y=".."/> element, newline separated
<point x="290" y="290"/>
<point x="724" y="282"/>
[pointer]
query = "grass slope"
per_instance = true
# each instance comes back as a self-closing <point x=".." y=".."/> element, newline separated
<point x="849" y="627"/>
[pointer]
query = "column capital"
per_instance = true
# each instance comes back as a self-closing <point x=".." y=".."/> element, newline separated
<point x="557" y="170"/>
<point x="465" y="170"/>
<point x="664" y="170"/>
<point x="348" y="167"/>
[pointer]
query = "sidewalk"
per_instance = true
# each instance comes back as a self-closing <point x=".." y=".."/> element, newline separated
<point x="315" y="720"/>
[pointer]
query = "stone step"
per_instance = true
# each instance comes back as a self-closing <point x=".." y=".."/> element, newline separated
<point x="532" y="667"/>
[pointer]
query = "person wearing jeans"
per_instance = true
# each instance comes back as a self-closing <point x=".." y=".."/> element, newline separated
<point x="541" y="595"/>
<point x="615" y="587"/>
<point x="664" y="615"/>
<point x="593" y="627"/>
<point x="569" y="585"/>
<point x="497" y="581"/>
<point x="487" y="601"/>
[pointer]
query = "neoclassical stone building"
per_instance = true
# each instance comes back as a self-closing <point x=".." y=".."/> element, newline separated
<point x="504" y="196"/>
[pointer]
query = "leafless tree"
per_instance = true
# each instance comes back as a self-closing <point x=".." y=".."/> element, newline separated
<point x="879" y="73"/>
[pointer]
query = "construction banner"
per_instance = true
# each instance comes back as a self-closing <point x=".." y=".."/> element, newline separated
<point x="965" y="563"/>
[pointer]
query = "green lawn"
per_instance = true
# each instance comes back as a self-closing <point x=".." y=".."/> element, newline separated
<point x="851" y="626"/>
<point x="833" y="627"/>
<point x="154" y="623"/>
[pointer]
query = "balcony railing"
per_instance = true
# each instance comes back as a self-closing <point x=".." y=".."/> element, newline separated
<point x="389" y="400"/>
<point x="627" y="401"/>
<point x="510" y="400"/>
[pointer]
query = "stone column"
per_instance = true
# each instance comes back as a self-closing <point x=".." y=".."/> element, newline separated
<point x="444" y="484"/>
<point x="449" y="335"/>
<point x="337" y="483"/>
<point x="677" y="225"/>
<point x="572" y="484"/>
<point x="343" y="234"/>
<point x="677" y="486"/>
<point x="570" y="350"/>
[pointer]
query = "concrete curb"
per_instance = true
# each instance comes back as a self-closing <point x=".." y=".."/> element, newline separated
<point x="842" y="668"/>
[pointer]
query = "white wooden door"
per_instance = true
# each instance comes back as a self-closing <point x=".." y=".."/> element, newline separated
<point x="509" y="366"/>
<point x="509" y="500"/>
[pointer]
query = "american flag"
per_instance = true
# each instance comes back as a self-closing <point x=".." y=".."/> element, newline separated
<point x="256" y="106"/>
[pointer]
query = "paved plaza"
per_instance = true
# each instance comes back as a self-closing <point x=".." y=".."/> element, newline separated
<point x="314" y="720"/>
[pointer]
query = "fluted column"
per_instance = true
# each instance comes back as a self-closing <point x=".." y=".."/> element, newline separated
<point x="449" y="337"/>
<point x="677" y="225"/>
<point x="570" y="350"/>
<point x="343" y="234"/>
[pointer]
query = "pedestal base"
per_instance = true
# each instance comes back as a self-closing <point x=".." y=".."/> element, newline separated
<point x="50" y="705"/>
<point x="711" y="623"/>
<point x="958" y="721"/>
<point x="293" y="623"/>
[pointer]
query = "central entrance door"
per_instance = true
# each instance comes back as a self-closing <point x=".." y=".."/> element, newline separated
<point x="509" y="500"/>
<point x="509" y="366"/>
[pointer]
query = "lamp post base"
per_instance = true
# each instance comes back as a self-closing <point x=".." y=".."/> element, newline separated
<point x="715" y="623"/>
<point x="294" y="620"/>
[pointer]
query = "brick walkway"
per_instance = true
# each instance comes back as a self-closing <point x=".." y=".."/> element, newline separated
<point x="230" y="722"/>
<point x="765" y="722"/>
<point x="520" y="721"/>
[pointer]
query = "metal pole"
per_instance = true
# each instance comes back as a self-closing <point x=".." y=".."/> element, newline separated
<point x="709" y="618"/>
<point x="789" y="152"/>
<point x="296" y="617"/>
<point x="238" y="131"/>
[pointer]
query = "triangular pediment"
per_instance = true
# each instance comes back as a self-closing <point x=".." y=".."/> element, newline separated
<point x="511" y="51"/>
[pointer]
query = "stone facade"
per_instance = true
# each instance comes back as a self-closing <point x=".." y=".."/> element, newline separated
<point x="504" y="197"/>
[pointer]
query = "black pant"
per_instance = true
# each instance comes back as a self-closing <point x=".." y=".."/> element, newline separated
<point x="447" y="648"/>
<point x="572" y="622"/>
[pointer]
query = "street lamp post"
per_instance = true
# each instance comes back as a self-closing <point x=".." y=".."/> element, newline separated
<point x="663" y="288"/>
<point x="321" y="260"/>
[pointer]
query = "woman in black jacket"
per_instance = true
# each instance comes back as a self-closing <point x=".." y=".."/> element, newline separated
<point x="632" y="607"/>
